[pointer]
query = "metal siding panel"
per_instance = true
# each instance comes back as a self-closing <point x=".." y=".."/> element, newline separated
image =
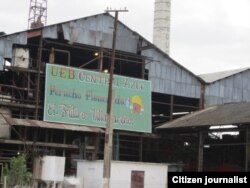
<point x="222" y="82"/>
<point x="148" y="53"/>
<point x="2" y="47"/>
<point x="210" y="89"/>
<point x="177" y="89"/>
<point x="219" y="101"/>
<point x="239" y="80"/>
<point x="107" y="40"/>
<point x="66" y="31"/>
<point x="188" y="91"/>
<point x="248" y="85"/>
<point x="182" y="89"/>
<point x="152" y="70"/>
<point x="213" y="89"/>
<point x="163" y="68"/>
<point x="214" y="100"/>
<point x="235" y="81"/>
<point x="167" y="86"/>
<point x="197" y="91"/>
<point x="229" y="81"/>
<point x="88" y="37"/>
<point x="147" y="64"/>
<point x="6" y="47"/>
<point x="217" y="89"/>
<point x="1" y="63"/>
<point x="50" y="32"/>
<point x="157" y="85"/>
<point x="207" y="90"/>
<point x="221" y="91"/>
<point x="163" y="72"/>
<point x="236" y="94"/>
<point x="168" y="73"/>
<point x="227" y="100"/>
<point x="228" y="92"/>
<point x="211" y="101"/>
<point x="193" y="81"/>
<point x="158" y="70"/>
<point x="92" y="31"/>
<point x="231" y="92"/>
<point x="246" y="95"/>
<point x="248" y="74"/>
<point x="170" y="62"/>
<point x="185" y="90"/>
<point x="173" y="85"/>
<point x="126" y="43"/>
<point x="193" y="90"/>
<point x="20" y="38"/>
<point x="207" y="101"/>
<point x="161" y="89"/>
<point x="153" y="84"/>
<point x="189" y="81"/>
<point x="178" y="75"/>
<point x="245" y="82"/>
<point x="244" y="74"/>
<point x="173" y="72"/>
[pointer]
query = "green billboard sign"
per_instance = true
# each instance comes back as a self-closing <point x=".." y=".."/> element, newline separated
<point x="77" y="96"/>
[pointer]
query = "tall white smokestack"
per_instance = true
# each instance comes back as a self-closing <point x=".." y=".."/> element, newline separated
<point x="162" y="24"/>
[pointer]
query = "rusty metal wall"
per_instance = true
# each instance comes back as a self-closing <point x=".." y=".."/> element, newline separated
<point x="98" y="31"/>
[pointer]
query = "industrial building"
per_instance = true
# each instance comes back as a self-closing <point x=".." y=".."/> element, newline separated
<point x="85" y="43"/>
<point x="216" y="137"/>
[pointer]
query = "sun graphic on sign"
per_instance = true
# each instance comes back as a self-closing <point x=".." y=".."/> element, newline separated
<point x="136" y="105"/>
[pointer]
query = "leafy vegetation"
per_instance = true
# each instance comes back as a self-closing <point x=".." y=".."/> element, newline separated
<point x="16" y="172"/>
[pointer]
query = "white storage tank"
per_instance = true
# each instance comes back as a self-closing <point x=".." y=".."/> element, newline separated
<point x="49" y="169"/>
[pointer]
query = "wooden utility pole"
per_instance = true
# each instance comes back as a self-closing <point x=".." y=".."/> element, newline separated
<point x="108" y="143"/>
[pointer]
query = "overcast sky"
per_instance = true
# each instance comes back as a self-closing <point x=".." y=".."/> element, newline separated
<point x="206" y="35"/>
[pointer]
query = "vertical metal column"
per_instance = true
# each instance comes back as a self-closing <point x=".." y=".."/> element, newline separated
<point x="200" y="152"/>
<point x="39" y="62"/>
<point x="171" y="107"/>
<point x="247" y="151"/>
<point x="141" y="148"/>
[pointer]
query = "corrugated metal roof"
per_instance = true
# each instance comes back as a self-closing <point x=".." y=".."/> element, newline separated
<point x="166" y="75"/>
<point x="227" y="114"/>
<point x="43" y="124"/>
<point x="212" y="77"/>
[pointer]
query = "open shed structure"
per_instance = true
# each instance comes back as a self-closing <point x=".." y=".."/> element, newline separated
<point x="213" y="139"/>
<point x="85" y="43"/>
<point x="201" y="140"/>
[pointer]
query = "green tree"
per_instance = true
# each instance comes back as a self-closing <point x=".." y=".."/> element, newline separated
<point x="16" y="172"/>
